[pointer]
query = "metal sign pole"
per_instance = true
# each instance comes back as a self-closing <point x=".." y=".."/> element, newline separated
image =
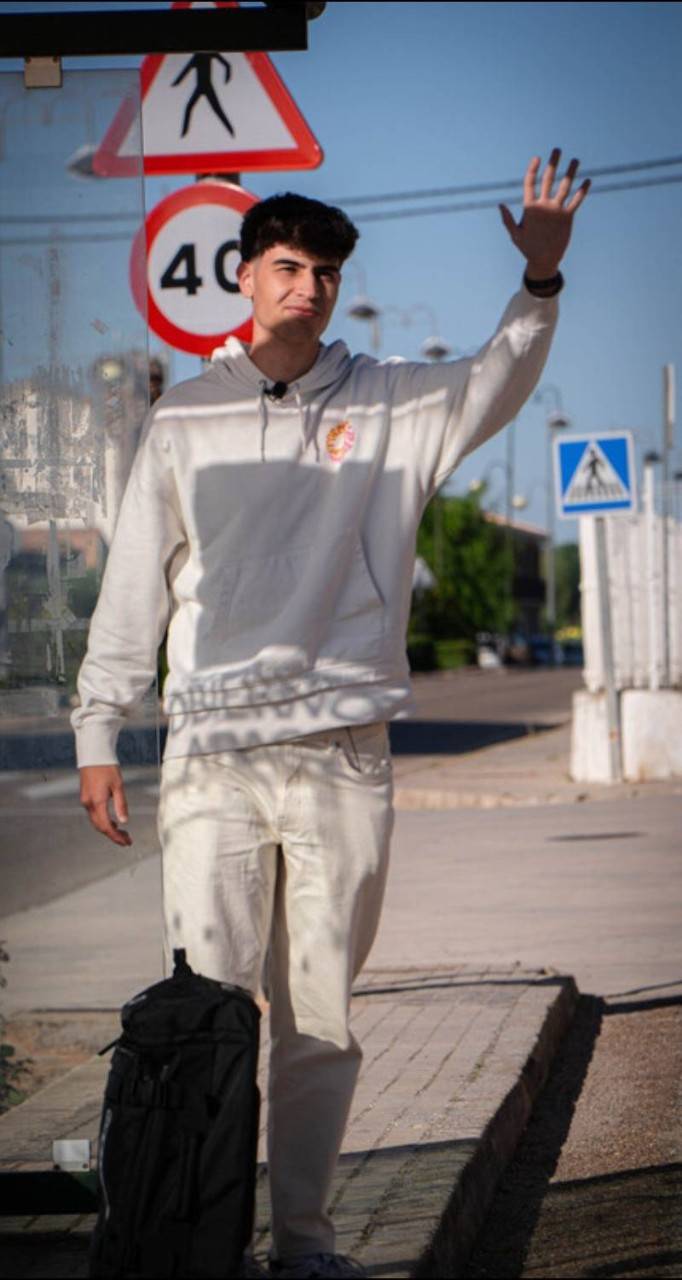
<point x="606" y="634"/>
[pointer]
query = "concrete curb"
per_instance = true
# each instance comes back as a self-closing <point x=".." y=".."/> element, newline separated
<point x="449" y="1249"/>
<point x="429" y="798"/>
<point x="420" y="798"/>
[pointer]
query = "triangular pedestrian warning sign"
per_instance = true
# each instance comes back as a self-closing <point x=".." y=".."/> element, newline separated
<point x="208" y="113"/>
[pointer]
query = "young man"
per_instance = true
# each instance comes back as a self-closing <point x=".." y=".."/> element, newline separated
<point x="269" y="523"/>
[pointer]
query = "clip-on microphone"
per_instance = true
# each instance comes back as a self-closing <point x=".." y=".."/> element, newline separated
<point x="277" y="391"/>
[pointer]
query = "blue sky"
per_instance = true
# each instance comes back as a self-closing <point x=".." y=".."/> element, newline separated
<point x="407" y="96"/>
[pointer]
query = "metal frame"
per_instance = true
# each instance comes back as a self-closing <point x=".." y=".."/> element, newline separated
<point x="275" y="27"/>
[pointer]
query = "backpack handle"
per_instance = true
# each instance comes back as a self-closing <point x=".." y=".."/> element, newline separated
<point x="181" y="969"/>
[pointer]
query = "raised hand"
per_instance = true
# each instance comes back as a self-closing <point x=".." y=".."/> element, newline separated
<point x="544" y="229"/>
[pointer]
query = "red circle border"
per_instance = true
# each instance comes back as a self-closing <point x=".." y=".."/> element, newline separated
<point x="202" y="192"/>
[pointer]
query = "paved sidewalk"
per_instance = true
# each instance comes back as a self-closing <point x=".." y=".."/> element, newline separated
<point x="453" y="1061"/>
<point x="527" y="771"/>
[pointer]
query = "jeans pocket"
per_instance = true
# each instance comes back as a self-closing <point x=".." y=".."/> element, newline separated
<point x="366" y="753"/>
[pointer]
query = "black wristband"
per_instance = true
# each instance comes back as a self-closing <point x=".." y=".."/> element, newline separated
<point x="545" y="288"/>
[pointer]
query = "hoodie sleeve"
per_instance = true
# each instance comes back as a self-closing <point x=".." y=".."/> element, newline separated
<point x="462" y="403"/>
<point x="133" y="607"/>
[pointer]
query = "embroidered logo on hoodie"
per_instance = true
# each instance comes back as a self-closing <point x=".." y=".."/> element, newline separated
<point x="340" y="441"/>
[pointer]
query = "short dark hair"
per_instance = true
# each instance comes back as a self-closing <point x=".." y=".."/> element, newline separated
<point x="316" y="228"/>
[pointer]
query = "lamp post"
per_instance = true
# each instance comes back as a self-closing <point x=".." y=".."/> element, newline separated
<point x="434" y="349"/>
<point x="522" y="500"/>
<point x="555" y="421"/>
<point x="677" y="491"/>
<point x="478" y="486"/>
<point x="362" y="307"/>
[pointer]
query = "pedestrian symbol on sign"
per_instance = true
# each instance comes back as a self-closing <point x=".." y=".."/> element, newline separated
<point x="201" y="63"/>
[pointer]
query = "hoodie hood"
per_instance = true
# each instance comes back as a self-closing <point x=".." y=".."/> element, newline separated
<point x="233" y="365"/>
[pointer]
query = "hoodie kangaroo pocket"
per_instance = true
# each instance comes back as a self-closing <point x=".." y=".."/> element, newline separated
<point x="305" y="607"/>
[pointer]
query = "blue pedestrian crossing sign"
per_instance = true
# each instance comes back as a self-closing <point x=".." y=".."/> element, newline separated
<point x="595" y="474"/>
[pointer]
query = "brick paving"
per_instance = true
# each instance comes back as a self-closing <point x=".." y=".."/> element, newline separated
<point x="452" y="1059"/>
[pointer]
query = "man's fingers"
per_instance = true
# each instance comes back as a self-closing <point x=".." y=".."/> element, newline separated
<point x="120" y="804"/>
<point x="102" y="822"/>
<point x="550" y="174"/>
<point x="529" y="180"/>
<point x="579" y="196"/>
<point x="508" y="221"/>
<point x="567" y="181"/>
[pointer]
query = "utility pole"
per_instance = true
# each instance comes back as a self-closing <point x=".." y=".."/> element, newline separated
<point x="508" y="510"/>
<point x="555" y="422"/>
<point x="667" y="442"/>
<point x="654" y="577"/>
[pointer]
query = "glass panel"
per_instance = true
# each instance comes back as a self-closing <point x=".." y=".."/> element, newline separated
<point x="75" y="390"/>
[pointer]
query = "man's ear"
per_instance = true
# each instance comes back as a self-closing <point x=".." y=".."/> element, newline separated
<point x="245" y="279"/>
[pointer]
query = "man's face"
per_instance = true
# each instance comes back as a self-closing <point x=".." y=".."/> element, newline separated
<point x="293" y="292"/>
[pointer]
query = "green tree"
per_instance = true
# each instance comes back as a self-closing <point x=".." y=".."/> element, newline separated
<point x="567" y="562"/>
<point x="473" y="567"/>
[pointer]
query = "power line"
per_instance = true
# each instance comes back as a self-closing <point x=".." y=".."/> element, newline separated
<point x="38" y="219"/>
<point x="423" y="193"/>
<point x="469" y="205"/>
<point x="56" y="241"/>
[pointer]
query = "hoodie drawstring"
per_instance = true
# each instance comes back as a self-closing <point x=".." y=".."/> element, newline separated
<point x="263" y="418"/>
<point x="304" y="415"/>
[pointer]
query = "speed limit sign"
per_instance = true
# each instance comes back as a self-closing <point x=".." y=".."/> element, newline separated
<point x="183" y="267"/>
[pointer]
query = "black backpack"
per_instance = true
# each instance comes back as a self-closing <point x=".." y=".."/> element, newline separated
<point x="179" y="1130"/>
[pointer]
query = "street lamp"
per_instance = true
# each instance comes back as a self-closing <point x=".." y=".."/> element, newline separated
<point x="555" y="421"/>
<point x="435" y="349"/>
<point x="361" y="307"/>
<point x="522" y="500"/>
<point x="479" y="484"/>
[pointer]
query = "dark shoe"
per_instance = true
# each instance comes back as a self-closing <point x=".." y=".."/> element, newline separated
<point x="251" y="1270"/>
<point x="316" y="1266"/>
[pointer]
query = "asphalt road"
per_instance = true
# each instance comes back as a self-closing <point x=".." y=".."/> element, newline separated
<point x="595" y="1187"/>
<point x="511" y="695"/>
<point x="47" y="847"/>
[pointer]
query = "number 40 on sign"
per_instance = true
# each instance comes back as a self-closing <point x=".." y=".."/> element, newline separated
<point x="183" y="264"/>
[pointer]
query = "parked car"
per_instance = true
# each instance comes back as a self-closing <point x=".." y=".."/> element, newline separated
<point x="574" y="655"/>
<point x="545" y="652"/>
<point x="489" y="650"/>
<point x="517" y="649"/>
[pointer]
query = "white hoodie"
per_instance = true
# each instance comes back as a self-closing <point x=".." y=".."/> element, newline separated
<point x="276" y="539"/>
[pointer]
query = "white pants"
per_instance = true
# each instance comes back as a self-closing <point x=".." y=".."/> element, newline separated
<point x="275" y="861"/>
